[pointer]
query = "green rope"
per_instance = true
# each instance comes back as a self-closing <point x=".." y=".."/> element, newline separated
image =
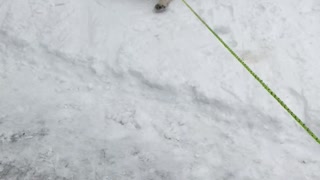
<point x="264" y="85"/>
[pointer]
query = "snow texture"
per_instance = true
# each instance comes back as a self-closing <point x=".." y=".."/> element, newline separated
<point x="110" y="90"/>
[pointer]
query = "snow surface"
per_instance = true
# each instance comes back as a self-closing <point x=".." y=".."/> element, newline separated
<point x="110" y="90"/>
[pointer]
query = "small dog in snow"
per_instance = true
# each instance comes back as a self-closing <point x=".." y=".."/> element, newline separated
<point x="161" y="5"/>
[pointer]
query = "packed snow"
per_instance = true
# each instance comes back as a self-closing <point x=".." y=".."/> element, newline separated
<point x="111" y="90"/>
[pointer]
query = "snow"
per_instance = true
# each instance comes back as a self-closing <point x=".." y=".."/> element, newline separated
<point x="111" y="90"/>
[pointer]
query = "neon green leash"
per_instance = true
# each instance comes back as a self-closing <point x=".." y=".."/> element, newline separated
<point x="264" y="85"/>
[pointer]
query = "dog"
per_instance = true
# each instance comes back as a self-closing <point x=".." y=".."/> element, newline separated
<point x="161" y="5"/>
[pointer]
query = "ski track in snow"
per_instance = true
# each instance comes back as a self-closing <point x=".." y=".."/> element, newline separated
<point x="110" y="90"/>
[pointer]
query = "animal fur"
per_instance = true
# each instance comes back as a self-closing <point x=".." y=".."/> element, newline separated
<point x="162" y="5"/>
